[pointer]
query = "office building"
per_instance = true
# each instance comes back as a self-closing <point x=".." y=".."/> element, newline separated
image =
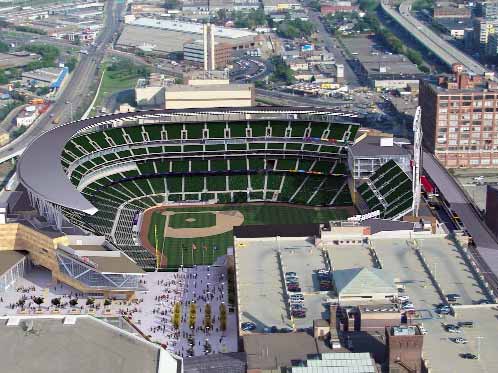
<point x="459" y="119"/>
<point x="194" y="52"/>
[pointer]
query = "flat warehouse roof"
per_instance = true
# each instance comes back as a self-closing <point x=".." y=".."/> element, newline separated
<point x="8" y="259"/>
<point x="191" y="27"/>
<point x="86" y="346"/>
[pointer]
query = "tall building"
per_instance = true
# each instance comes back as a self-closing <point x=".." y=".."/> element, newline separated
<point x="195" y="53"/>
<point x="208" y="36"/>
<point x="404" y="348"/>
<point x="489" y="9"/>
<point x="460" y="119"/>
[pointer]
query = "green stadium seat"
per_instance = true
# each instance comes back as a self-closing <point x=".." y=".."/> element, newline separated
<point x="237" y="182"/>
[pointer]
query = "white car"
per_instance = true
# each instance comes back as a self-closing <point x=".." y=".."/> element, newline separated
<point x="460" y="340"/>
<point x="422" y="329"/>
<point x="403" y="298"/>
<point x="407" y="306"/>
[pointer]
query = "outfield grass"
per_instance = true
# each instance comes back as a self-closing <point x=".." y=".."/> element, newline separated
<point x="205" y="250"/>
<point x="200" y="220"/>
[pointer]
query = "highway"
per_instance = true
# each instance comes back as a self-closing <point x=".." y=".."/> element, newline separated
<point x="441" y="48"/>
<point x="486" y="250"/>
<point x="76" y="88"/>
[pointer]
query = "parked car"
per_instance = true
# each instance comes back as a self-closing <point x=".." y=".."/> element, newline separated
<point x="294" y="289"/>
<point x="299" y="314"/>
<point x="450" y="328"/>
<point x="403" y="298"/>
<point x="468" y="355"/>
<point x="297" y="296"/>
<point x="295" y="307"/>
<point x="465" y="324"/>
<point x="422" y="329"/>
<point x="290" y="274"/>
<point x="460" y="340"/>
<point x="248" y="326"/>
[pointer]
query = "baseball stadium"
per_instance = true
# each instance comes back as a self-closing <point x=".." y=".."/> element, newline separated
<point x="166" y="187"/>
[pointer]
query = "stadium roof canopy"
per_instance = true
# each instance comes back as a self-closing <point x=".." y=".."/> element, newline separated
<point x="40" y="169"/>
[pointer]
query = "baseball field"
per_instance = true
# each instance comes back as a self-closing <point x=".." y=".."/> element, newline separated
<point x="198" y="235"/>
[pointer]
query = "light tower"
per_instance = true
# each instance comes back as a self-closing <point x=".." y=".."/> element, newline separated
<point x="417" y="159"/>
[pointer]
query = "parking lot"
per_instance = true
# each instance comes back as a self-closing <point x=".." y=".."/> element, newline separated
<point x="262" y="287"/>
<point x="451" y="271"/>
<point x="305" y="260"/>
<point x="407" y="270"/>
<point x="444" y="354"/>
<point x="350" y="256"/>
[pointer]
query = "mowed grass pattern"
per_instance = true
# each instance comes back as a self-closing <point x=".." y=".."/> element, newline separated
<point x="192" y="220"/>
<point x="205" y="250"/>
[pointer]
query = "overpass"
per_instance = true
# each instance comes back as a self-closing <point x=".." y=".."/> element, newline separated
<point x="485" y="252"/>
<point x="431" y="40"/>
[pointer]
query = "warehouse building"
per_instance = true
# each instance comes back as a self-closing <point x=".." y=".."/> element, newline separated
<point x="168" y="36"/>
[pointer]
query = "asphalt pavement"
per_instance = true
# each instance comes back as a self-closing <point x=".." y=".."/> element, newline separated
<point x="76" y="88"/>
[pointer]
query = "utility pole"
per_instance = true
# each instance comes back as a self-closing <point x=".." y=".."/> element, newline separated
<point x="479" y="346"/>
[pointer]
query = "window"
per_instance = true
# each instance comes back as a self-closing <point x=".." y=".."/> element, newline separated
<point x="474" y="161"/>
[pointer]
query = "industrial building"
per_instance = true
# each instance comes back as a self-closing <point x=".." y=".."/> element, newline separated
<point x="52" y="77"/>
<point x="458" y="119"/>
<point x="170" y="36"/>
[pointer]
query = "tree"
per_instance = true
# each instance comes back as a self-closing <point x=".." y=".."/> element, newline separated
<point x="368" y="5"/>
<point x="4" y="47"/>
<point x="171" y="4"/>
<point x="90" y="302"/>
<point x="56" y="302"/>
<point x="223" y="317"/>
<point x="71" y="63"/>
<point x="297" y="28"/>
<point x="107" y="302"/>
<point x="73" y="302"/>
<point x="192" y="315"/>
<point x="222" y="15"/>
<point x="21" y="302"/>
<point x="281" y="71"/>
<point x="177" y="314"/>
<point x="207" y="316"/>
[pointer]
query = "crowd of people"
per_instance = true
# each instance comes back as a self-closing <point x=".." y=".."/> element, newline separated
<point x="199" y="286"/>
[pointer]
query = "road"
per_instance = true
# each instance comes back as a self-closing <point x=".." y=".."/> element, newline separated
<point x="445" y="51"/>
<point x="486" y="251"/>
<point x="330" y="44"/>
<point x="76" y="88"/>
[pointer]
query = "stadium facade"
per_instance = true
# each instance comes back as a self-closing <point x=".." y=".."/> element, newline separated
<point x="100" y="173"/>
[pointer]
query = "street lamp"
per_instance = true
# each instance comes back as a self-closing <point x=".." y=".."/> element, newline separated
<point x="70" y="108"/>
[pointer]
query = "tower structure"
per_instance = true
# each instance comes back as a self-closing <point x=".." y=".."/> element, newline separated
<point x="417" y="159"/>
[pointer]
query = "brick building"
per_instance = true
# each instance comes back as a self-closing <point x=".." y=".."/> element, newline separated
<point x="404" y="348"/>
<point x="460" y="119"/>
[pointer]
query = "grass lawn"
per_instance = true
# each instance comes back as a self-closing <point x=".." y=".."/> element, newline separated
<point x="192" y="220"/>
<point x="114" y="81"/>
<point x="205" y="250"/>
